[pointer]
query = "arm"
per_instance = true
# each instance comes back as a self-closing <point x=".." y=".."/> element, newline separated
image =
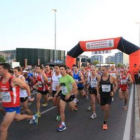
<point x="98" y="86"/>
<point x="21" y="84"/>
<point x="81" y="76"/>
<point x="130" y="79"/>
<point x="115" y="84"/>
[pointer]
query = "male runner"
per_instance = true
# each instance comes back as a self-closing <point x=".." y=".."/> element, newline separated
<point x="106" y="91"/>
<point x="55" y="86"/>
<point x="68" y="87"/>
<point x="9" y="89"/>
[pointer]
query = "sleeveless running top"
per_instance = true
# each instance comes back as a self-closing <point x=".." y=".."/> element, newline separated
<point x="123" y="81"/>
<point x="41" y="85"/>
<point x="77" y="78"/>
<point x="105" y="87"/>
<point x="23" y="92"/>
<point x="93" y="82"/>
<point x="55" y="81"/>
<point x="9" y="94"/>
<point x="49" y="74"/>
<point x="113" y="73"/>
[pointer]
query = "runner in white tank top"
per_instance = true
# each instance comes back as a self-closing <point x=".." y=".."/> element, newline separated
<point x="54" y="86"/>
<point x="23" y="92"/>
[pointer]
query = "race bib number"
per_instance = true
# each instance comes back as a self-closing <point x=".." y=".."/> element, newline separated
<point x="55" y="84"/>
<point x="39" y="84"/>
<point x="6" y="97"/>
<point x="64" y="90"/>
<point x="123" y="82"/>
<point x="76" y="80"/>
<point x="93" y="83"/>
<point x="113" y="74"/>
<point x="106" y="88"/>
<point x="49" y="79"/>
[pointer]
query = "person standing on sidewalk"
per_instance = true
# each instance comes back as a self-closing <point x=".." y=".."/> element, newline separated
<point x="135" y="72"/>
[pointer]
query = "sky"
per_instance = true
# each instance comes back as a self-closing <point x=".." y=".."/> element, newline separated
<point x="30" y="23"/>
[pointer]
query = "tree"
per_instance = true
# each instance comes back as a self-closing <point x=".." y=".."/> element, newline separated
<point x="2" y="59"/>
<point x="96" y="62"/>
<point x="112" y="63"/>
<point x="119" y="64"/>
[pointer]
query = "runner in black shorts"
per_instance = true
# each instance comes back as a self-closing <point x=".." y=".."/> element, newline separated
<point x="106" y="92"/>
<point x="93" y="82"/>
<point x="68" y="87"/>
<point x="54" y="87"/>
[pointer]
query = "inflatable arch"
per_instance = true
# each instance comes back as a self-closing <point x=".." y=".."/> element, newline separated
<point x="105" y="44"/>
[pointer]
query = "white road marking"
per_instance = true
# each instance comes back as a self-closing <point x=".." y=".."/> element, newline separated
<point x="127" y="130"/>
<point x="48" y="110"/>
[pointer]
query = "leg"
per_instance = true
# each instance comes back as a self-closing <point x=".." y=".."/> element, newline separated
<point x="125" y="99"/>
<point x="19" y="117"/>
<point x="121" y="96"/>
<point x="39" y="96"/>
<point x="25" y="107"/>
<point x="106" y="112"/>
<point x="62" y="110"/>
<point x="72" y="105"/>
<point x="58" y="104"/>
<point x="93" y="101"/>
<point x="8" y="119"/>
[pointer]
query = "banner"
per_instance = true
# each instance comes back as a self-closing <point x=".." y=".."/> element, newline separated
<point x="102" y="44"/>
<point x="100" y="52"/>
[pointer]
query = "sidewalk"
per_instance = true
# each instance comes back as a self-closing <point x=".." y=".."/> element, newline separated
<point x="137" y="112"/>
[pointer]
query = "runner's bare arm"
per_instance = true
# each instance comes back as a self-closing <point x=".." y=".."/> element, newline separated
<point x="81" y="76"/>
<point x="74" y="88"/>
<point x="21" y="84"/>
<point x="45" y="77"/>
<point x="98" y="79"/>
<point x="115" y="84"/>
<point x="130" y="79"/>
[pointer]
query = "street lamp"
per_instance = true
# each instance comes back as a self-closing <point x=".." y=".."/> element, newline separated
<point x="54" y="33"/>
<point x="139" y="32"/>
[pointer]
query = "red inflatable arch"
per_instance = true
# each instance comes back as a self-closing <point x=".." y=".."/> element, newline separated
<point x="105" y="44"/>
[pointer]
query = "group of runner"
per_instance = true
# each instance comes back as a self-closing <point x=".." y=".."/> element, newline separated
<point x="63" y="86"/>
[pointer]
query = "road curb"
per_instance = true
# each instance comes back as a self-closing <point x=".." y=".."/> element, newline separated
<point x="137" y="117"/>
<point x="128" y="124"/>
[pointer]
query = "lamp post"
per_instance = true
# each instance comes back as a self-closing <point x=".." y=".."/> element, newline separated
<point x="139" y="31"/>
<point x="54" y="33"/>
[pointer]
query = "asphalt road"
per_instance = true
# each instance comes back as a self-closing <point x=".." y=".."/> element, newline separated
<point x="79" y="125"/>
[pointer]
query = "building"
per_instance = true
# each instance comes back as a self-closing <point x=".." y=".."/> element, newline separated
<point x="98" y="58"/>
<point x="82" y="60"/>
<point x="110" y="59"/>
<point x="9" y="55"/>
<point x="34" y="56"/>
<point x="121" y="58"/>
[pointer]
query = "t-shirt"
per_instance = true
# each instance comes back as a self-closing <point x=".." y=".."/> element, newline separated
<point x="66" y="84"/>
<point x="135" y="70"/>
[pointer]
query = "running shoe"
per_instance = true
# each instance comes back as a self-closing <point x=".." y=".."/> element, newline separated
<point x="45" y="104"/>
<point x="112" y="99"/>
<point x="58" y="118"/>
<point x="93" y="116"/>
<point x="35" y="120"/>
<point x="89" y="108"/>
<point x="76" y="108"/>
<point x="87" y="98"/>
<point x="61" y="128"/>
<point x="105" y="127"/>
